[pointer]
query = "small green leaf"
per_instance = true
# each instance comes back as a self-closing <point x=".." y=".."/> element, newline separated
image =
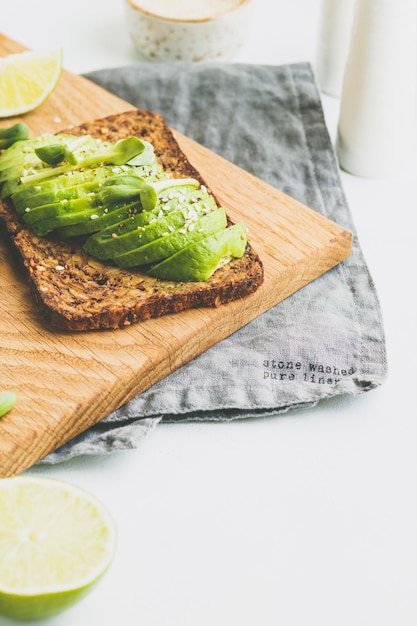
<point x="51" y="154"/>
<point x="7" y="401"/>
<point x="11" y="134"/>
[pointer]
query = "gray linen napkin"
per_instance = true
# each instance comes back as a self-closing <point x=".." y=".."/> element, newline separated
<point x="327" y="339"/>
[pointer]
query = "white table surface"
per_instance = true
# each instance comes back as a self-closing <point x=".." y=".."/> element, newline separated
<point x="303" y="520"/>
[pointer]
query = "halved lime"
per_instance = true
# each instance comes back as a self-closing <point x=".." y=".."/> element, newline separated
<point x="27" y="79"/>
<point x="56" y="541"/>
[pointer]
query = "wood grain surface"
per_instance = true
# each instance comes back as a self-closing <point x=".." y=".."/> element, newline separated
<point x="66" y="382"/>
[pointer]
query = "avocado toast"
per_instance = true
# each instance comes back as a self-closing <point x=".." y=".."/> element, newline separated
<point x="79" y="284"/>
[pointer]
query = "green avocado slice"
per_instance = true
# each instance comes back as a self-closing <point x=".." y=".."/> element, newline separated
<point x="101" y="219"/>
<point x="46" y="225"/>
<point x="21" y="159"/>
<point x="62" y="192"/>
<point x="22" y="166"/>
<point x="169" y="244"/>
<point x="17" y="190"/>
<point x="198" y="261"/>
<point x="57" y="210"/>
<point x="60" y="187"/>
<point x="82" y="216"/>
<point x="96" y="244"/>
<point x="142" y="235"/>
<point x="39" y="199"/>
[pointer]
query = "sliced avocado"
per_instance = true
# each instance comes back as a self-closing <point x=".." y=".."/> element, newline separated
<point x="59" y="195"/>
<point x="21" y="158"/>
<point x="97" y="222"/>
<point x="85" y="152"/>
<point x="45" y="226"/>
<point x="57" y="210"/>
<point x="150" y="192"/>
<point x="142" y="235"/>
<point x="56" y="187"/>
<point x="169" y="244"/>
<point x="184" y="197"/>
<point x="103" y="153"/>
<point x="12" y="173"/>
<point x="103" y="183"/>
<point x="95" y="242"/>
<point x="26" y="148"/>
<point x="70" y="179"/>
<point x="118" y="195"/>
<point x="198" y="261"/>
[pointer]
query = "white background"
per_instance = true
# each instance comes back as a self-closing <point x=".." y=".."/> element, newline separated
<point x="302" y="520"/>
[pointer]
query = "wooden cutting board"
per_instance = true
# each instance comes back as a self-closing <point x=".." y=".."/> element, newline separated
<point x="66" y="382"/>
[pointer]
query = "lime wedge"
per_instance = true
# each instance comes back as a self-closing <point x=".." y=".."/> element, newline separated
<point x="27" y="79"/>
<point x="56" y="541"/>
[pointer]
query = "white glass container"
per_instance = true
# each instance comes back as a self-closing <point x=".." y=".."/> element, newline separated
<point x="335" y="28"/>
<point x="377" y="122"/>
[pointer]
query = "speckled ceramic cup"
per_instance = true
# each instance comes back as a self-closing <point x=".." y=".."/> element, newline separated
<point x="206" y="38"/>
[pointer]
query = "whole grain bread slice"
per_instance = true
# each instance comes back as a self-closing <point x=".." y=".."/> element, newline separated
<point x="77" y="292"/>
